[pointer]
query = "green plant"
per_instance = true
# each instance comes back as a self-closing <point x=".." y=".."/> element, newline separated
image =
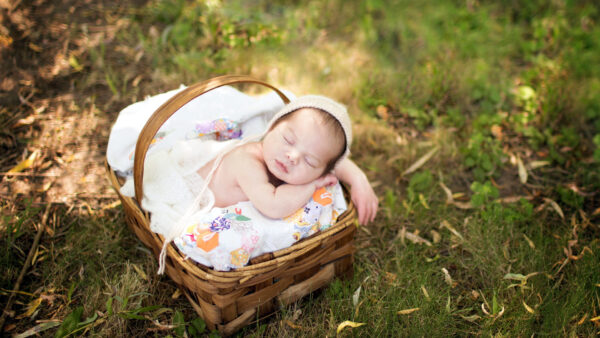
<point x="483" y="193"/>
<point x="483" y="154"/>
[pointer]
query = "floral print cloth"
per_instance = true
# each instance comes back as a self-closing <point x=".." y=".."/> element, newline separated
<point x="227" y="238"/>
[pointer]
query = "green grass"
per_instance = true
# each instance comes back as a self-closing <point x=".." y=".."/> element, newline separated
<point x="485" y="82"/>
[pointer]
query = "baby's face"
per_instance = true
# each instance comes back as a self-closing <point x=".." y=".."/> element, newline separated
<point x="298" y="149"/>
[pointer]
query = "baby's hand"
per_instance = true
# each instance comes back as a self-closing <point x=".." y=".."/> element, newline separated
<point x="364" y="199"/>
<point x="325" y="181"/>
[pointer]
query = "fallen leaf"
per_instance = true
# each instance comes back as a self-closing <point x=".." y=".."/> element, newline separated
<point x="555" y="206"/>
<point x="408" y="311"/>
<point x="356" y="295"/>
<point x="496" y="131"/>
<point x="382" y="112"/>
<point x="595" y="319"/>
<point x="449" y="196"/>
<point x="423" y="201"/>
<point x="425" y="292"/>
<point x="45" y="187"/>
<point x="5" y="41"/>
<point x="515" y="276"/>
<point x="140" y="272"/>
<point x="582" y="320"/>
<point x="528" y="308"/>
<point x="416" y="238"/>
<point x="436" y="236"/>
<point x="348" y="323"/>
<point x="513" y="199"/>
<point x="112" y="205"/>
<point x="176" y="294"/>
<point x="419" y="163"/>
<point x="293" y="326"/>
<point x="530" y="242"/>
<point x="447" y="277"/>
<point x="25" y="163"/>
<point x="31" y="307"/>
<point x="390" y="277"/>
<point x="471" y="318"/>
<point x="538" y="164"/>
<point x="38" y="328"/>
<point x="26" y="121"/>
<point x="522" y="170"/>
<point x="447" y="225"/>
<point x="34" y="47"/>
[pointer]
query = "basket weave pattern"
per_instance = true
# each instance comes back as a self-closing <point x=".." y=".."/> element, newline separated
<point x="230" y="300"/>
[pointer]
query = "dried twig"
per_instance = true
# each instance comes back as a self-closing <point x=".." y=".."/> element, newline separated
<point x="33" y="249"/>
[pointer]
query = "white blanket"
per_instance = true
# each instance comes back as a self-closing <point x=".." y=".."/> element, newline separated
<point x="209" y="125"/>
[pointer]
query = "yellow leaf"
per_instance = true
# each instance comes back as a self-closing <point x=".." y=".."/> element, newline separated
<point x="408" y="311"/>
<point x="471" y="318"/>
<point x="555" y="207"/>
<point x="436" y="236"/>
<point x="347" y="323"/>
<point x="582" y="320"/>
<point x="292" y="325"/>
<point x="5" y="41"/>
<point x="112" y="205"/>
<point x="528" y="308"/>
<point x="447" y="277"/>
<point x="449" y="196"/>
<point x="425" y="292"/>
<point x="416" y="238"/>
<point x="35" y="47"/>
<point x="176" y="294"/>
<point x="140" y="272"/>
<point x="423" y="201"/>
<point x="531" y="244"/>
<point x="382" y="112"/>
<point x="25" y="164"/>
<point x="45" y="187"/>
<point x="31" y="307"/>
<point x="522" y="170"/>
<point x="595" y="319"/>
<point x="538" y="164"/>
<point x="447" y="225"/>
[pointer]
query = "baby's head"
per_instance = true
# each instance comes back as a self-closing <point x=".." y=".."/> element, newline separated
<point x="306" y="139"/>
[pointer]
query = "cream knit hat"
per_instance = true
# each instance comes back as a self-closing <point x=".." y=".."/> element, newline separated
<point x="328" y="105"/>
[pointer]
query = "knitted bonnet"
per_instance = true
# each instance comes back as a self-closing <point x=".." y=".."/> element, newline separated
<point x="325" y="104"/>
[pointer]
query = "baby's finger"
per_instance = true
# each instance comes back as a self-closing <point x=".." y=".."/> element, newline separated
<point x="375" y="205"/>
<point x="364" y="214"/>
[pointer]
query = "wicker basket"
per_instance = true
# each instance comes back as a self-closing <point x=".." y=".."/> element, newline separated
<point x="230" y="300"/>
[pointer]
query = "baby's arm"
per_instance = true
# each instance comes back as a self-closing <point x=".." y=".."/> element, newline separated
<point x="271" y="201"/>
<point x="361" y="192"/>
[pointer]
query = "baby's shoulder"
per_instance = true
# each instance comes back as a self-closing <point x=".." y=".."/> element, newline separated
<point x="247" y="154"/>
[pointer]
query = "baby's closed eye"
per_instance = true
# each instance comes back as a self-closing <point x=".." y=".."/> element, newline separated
<point x="288" y="140"/>
<point x="310" y="162"/>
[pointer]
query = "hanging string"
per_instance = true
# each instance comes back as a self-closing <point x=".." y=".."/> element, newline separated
<point x="205" y="208"/>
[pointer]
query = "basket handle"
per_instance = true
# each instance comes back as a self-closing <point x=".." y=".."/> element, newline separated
<point x="162" y="114"/>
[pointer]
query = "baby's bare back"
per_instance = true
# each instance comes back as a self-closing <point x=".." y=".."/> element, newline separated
<point x="223" y="184"/>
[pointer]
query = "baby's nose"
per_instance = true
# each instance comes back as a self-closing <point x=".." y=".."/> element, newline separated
<point x="293" y="156"/>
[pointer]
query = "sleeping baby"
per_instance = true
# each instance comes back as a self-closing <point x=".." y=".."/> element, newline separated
<point x="306" y="147"/>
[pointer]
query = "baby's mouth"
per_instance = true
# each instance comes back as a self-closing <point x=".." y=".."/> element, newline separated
<point x="281" y="166"/>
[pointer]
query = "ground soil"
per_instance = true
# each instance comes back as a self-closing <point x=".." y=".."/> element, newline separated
<point x="54" y="101"/>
